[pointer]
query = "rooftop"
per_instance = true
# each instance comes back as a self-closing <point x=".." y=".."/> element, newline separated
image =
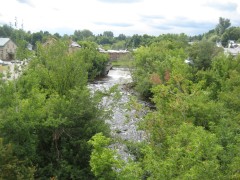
<point x="3" y="41"/>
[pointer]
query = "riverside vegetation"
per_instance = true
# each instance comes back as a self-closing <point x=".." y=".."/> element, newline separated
<point x="51" y="126"/>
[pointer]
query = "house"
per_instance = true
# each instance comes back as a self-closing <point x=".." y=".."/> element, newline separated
<point x="7" y="49"/>
<point x="73" y="46"/>
<point x="233" y="51"/>
<point x="233" y="48"/>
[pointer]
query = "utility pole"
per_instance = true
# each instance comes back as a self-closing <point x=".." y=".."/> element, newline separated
<point x="22" y="24"/>
<point x="15" y="22"/>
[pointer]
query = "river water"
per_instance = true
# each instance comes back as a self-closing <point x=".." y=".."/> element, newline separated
<point x="123" y="123"/>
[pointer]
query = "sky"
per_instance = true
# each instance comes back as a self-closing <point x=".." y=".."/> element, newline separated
<point x="129" y="17"/>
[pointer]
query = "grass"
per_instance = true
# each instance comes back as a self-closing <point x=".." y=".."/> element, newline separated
<point x="126" y="63"/>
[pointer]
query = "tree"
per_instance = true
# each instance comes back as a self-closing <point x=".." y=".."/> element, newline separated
<point x="222" y="25"/>
<point x="121" y="37"/>
<point x="97" y="60"/>
<point x="36" y="37"/>
<point x="6" y="31"/>
<point x="134" y="41"/>
<point x="104" y="161"/>
<point x="22" y="51"/>
<point x="153" y="64"/>
<point x="232" y="33"/>
<point x="82" y="35"/>
<point x="108" y="34"/>
<point x="11" y="167"/>
<point x="192" y="153"/>
<point x="202" y="53"/>
<point x="47" y="112"/>
<point x="107" y="164"/>
<point x="57" y="35"/>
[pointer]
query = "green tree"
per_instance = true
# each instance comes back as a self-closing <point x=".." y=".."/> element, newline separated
<point x="22" y="51"/>
<point x="192" y="153"/>
<point x="202" y="53"/>
<point x="108" y="34"/>
<point x="121" y="37"/>
<point x="107" y="164"/>
<point x="153" y="64"/>
<point x="46" y="109"/>
<point x="222" y="25"/>
<point x="104" y="162"/>
<point x="11" y="167"/>
<point x="82" y="35"/>
<point x="36" y="37"/>
<point x="232" y="33"/>
<point x="6" y="31"/>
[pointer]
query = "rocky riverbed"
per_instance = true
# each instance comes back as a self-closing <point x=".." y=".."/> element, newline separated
<point x="123" y="123"/>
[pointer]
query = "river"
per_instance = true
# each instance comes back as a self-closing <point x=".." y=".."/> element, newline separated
<point x="123" y="123"/>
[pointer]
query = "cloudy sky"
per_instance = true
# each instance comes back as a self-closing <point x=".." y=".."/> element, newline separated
<point x="129" y="17"/>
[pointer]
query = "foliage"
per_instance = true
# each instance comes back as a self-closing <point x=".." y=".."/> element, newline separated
<point x="202" y="53"/>
<point x="108" y="34"/>
<point x="53" y="127"/>
<point x="107" y="164"/>
<point x="222" y="25"/>
<point x="193" y="130"/>
<point x="121" y="41"/>
<point x="153" y="64"/>
<point x="11" y="167"/>
<point x="48" y="114"/>
<point x="232" y="33"/>
<point x="191" y="153"/>
<point x="82" y="35"/>
<point x="104" y="162"/>
<point x="90" y="54"/>
<point x="22" y="51"/>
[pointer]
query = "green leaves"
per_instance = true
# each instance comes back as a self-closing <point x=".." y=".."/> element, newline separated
<point x="104" y="161"/>
<point x="48" y="114"/>
<point x="11" y="167"/>
<point x="202" y="54"/>
<point x="190" y="153"/>
<point x="194" y="130"/>
<point x="154" y="64"/>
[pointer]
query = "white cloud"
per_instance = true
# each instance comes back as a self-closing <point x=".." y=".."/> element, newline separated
<point x="120" y="16"/>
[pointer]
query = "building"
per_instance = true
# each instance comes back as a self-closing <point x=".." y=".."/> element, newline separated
<point x="233" y="48"/>
<point x="114" y="54"/>
<point x="233" y="51"/>
<point x="73" y="46"/>
<point x="7" y="49"/>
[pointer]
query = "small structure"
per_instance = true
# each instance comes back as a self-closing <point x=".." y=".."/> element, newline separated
<point x="29" y="47"/>
<point x="233" y="48"/>
<point x="7" y="49"/>
<point x="74" y="46"/>
<point x="114" y="54"/>
<point x="232" y="51"/>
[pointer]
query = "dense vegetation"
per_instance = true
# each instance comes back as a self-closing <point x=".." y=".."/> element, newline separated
<point x="193" y="133"/>
<point x="48" y="115"/>
<point x="51" y="125"/>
